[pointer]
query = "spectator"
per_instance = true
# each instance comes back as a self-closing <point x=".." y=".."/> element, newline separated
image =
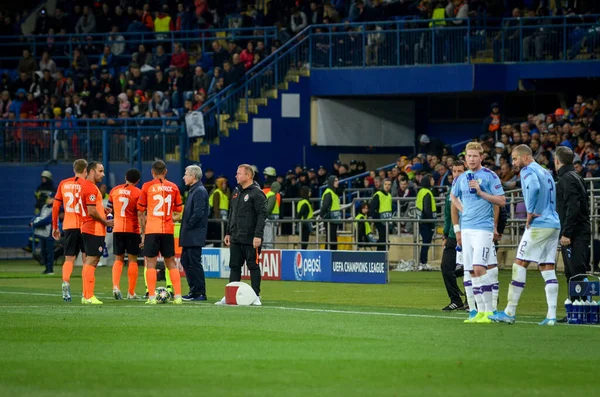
<point x="42" y="23"/>
<point x="46" y="63"/>
<point x="160" y="82"/>
<point x="298" y="21"/>
<point x="316" y="13"/>
<point x="59" y="20"/>
<point x="116" y="41"/>
<point x="159" y="103"/>
<point x="163" y="23"/>
<point x="201" y="80"/>
<point x="142" y="57"/>
<point x="30" y="107"/>
<point x="247" y="56"/>
<point x="5" y="103"/>
<point x="42" y="226"/>
<point x="426" y="210"/>
<point x="27" y="64"/>
<point x="18" y="102"/>
<point x="124" y="105"/>
<point x="105" y="20"/>
<point x="86" y="23"/>
<point x="233" y="49"/>
<point x="160" y="60"/>
<point x="106" y="60"/>
<point x="44" y="189"/>
<point x="491" y="124"/>
<point x="135" y="79"/>
<point x="184" y="18"/>
<point x="146" y="17"/>
<point x="219" y="54"/>
<point x="80" y="63"/>
<point x="180" y="58"/>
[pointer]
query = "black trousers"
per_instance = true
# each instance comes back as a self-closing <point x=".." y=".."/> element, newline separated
<point x="576" y="257"/>
<point x="333" y="229"/>
<point x="305" y="235"/>
<point x="191" y="260"/>
<point x="449" y="271"/>
<point x="426" y="232"/>
<point x="238" y="253"/>
<point x="382" y="239"/>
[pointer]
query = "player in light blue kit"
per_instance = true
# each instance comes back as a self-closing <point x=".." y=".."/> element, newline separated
<point x="474" y="194"/>
<point x="540" y="240"/>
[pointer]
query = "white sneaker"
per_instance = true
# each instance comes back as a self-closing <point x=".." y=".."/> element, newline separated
<point x="132" y="297"/>
<point x="117" y="294"/>
<point x="66" y="291"/>
<point x="257" y="302"/>
<point x="221" y="302"/>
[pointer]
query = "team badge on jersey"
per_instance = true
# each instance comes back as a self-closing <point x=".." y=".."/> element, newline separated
<point x="246" y="197"/>
<point x="92" y="197"/>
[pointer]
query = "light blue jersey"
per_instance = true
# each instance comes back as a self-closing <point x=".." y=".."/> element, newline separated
<point x="478" y="213"/>
<point x="539" y="192"/>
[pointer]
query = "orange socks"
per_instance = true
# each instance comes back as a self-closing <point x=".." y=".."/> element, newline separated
<point x="117" y="270"/>
<point x="132" y="275"/>
<point x="176" y="280"/>
<point x="67" y="269"/>
<point x="89" y="280"/>
<point x="151" y="279"/>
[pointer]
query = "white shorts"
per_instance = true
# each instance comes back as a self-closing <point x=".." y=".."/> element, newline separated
<point x="477" y="246"/>
<point x="539" y="245"/>
<point x="493" y="258"/>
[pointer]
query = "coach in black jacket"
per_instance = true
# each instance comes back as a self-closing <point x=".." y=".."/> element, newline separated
<point x="192" y="236"/>
<point x="245" y="227"/>
<point x="573" y="210"/>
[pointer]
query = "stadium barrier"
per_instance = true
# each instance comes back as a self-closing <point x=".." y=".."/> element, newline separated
<point x="363" y="267"/>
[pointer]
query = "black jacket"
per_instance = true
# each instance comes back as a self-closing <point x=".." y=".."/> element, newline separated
<point x="247" y="214"/>
<point x="194" y="223"/>
<point x="572" y="204"/>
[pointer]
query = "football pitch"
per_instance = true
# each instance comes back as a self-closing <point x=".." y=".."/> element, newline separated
<point x="309" y="339"/>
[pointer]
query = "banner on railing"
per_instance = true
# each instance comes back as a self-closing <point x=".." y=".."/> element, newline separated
<point x="270" y="266"/>
<point x="194" y="122"/>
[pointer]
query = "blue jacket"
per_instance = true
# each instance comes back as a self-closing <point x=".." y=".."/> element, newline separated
<point x="194" y="223"/>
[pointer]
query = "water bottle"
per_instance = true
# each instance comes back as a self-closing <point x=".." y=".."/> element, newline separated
<point x="109" y="229"/>
<point x="458" y="248"/>
<point x="586" y="312"/>
<point x="104" y="251"/>
<point x="575" y="315"/>
<point x="595" y="309"/>
<point x="569" y="309"/>
<point x="470" y="177"/>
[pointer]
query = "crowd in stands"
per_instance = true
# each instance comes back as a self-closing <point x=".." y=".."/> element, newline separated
<point x="110" y="76"/>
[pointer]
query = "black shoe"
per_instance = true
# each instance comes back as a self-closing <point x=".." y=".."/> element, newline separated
<point x="146" y="295"/>
<point x="48" y="272"/>
<point x="452" y="306"/>
<point x="27" y="248"/>
<point x="563" y="320"/>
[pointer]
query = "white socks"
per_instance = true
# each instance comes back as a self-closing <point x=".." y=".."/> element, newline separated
<point x="551" y="291"/>
<point x="478" y="294"/>
<point x="468" y="283"/>
<point x="493" y="277"/>
<point x="486" y="291"/>
<point x="519" y="275"/>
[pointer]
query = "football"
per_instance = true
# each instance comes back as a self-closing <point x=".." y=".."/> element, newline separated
<point x="162" y="295"/>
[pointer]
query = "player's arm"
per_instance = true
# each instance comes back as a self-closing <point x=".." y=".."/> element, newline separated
<point x="142" y="221"/>
<point x="496" y="218"/>
<point x="456" y="220"/>
<point x="497" y="193"/>
<point x="94" y="214"/>
<point x="531" y="192"/>
<point x="56" y="210"/>
<point x="178" y="204"/>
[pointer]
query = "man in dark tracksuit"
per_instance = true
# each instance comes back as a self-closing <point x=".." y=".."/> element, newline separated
<point x="574" y="214"/>
<point x="449" y="253"/>
<point x="192" y="236"/>
<point x="245" y="228"/>
<point x="330" y="209"/>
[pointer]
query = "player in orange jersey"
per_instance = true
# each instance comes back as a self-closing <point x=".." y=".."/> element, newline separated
<point x="123" y="199"/>
<point x="93" y="230"/>
<point x="68" y="195"/>
<point x="159" y="200"/>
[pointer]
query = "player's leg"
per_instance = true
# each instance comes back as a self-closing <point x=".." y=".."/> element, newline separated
<point x="492" y="272"/>
<point x="482" y="244"/>
<point x="93" y="248"/>
<point x="151" y="248"/>
<point x="117" y="268"/>
<point x="168" y="282"/>
<point x="470" y="287"/>
<point x="526" y="252"/>
<point x="167" y="248"/>
<point x="73" y="245"/>
<point x="448" y="275"/>
<point x="133" y="251"/>
<point x="549" y="274"/>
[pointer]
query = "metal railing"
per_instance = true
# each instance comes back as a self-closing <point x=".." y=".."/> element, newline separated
<point x="61" y="46"/>
<point x="125" y="140"/>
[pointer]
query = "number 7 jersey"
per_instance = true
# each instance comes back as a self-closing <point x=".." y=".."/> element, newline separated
<point x="159" y="198"/>
<point x="124" y="201"/>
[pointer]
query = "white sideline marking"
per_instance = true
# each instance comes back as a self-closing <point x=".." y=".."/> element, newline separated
<point x="211" y="305"/>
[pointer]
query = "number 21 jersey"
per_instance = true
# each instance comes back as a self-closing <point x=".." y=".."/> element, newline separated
<point x="159" y="198"/>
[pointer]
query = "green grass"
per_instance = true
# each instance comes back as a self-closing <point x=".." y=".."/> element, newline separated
<point x="308" y="339"/>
